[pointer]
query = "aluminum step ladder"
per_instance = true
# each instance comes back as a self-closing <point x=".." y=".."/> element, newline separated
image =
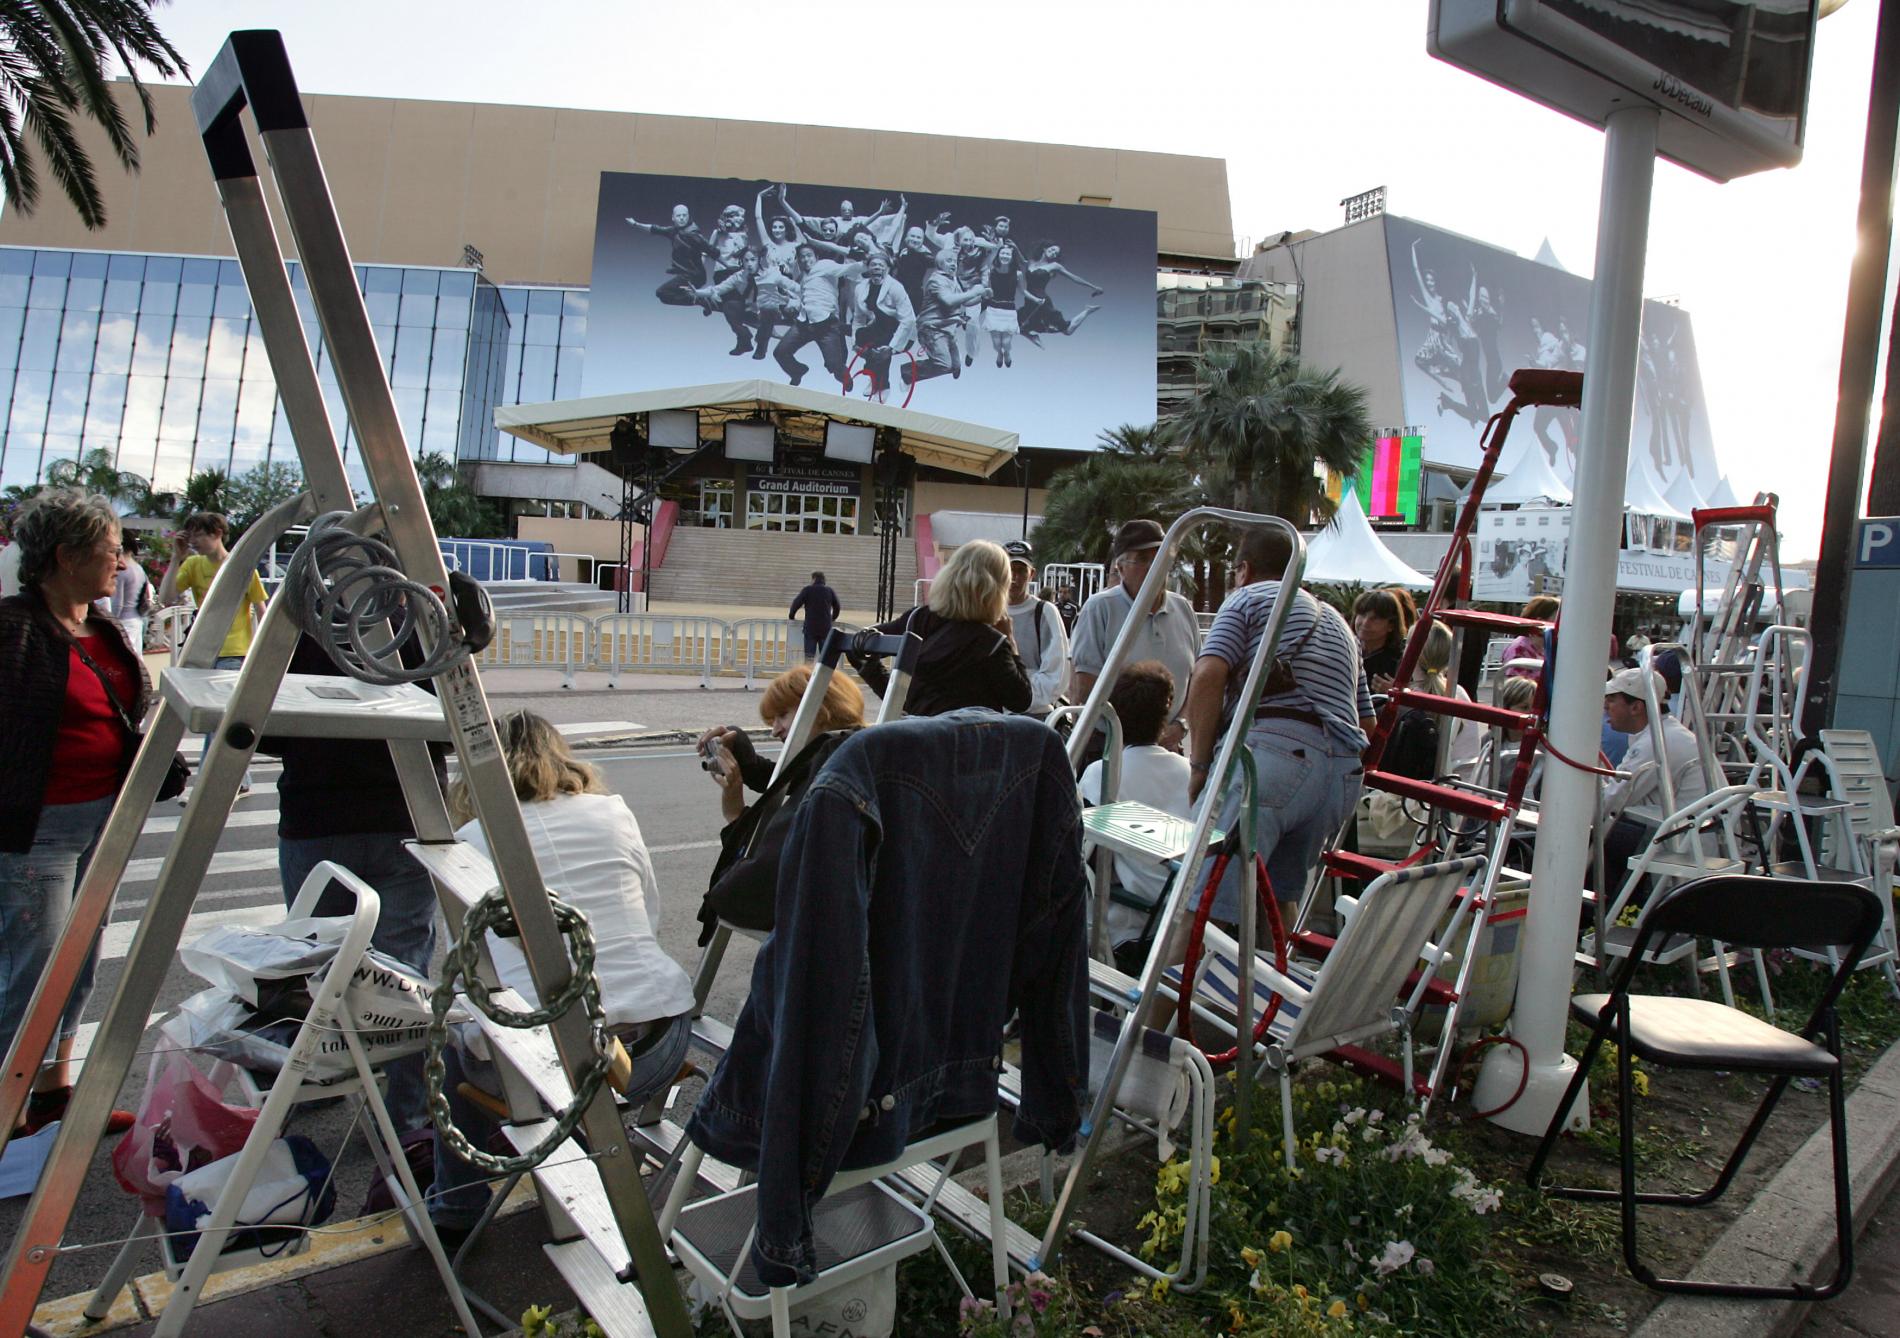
<point x="1463" y="817"/>
<point x="253" y="71"/>
<point x="1723" y="636"/>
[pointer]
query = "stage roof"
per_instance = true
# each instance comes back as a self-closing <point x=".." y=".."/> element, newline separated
<point x="573" y="427"/>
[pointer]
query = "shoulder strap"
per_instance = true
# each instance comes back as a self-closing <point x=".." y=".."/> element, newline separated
<point x="125" y="717"/>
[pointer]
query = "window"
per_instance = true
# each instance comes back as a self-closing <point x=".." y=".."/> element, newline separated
<point x="799" y="513"/>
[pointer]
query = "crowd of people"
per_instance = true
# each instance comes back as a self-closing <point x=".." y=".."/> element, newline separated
<point x="867" y="289"/>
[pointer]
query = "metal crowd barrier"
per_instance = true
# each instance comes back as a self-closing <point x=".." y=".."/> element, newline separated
<point x="661" y="642"/>
<point x="765" y="645"/>
<point x="539" y="639"/>
<point x="169" y="626"/>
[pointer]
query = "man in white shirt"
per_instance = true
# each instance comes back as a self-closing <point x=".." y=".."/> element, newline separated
<point x="1151" y="775"/>
<point x="1637" y="803"/>
<point x="1168" y="632"/>
<point x="1041" y="639"/>
<point x="889" y="322"/>
<point x="819" y="320"/>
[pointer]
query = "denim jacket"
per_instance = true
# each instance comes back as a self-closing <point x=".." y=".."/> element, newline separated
<point x="931" y="886"/>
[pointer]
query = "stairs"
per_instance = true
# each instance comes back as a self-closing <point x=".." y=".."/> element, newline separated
<point x="759" y="567"/>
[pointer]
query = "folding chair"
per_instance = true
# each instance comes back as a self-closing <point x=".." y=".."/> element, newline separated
<point x="1703" y="1035"/>
<point x="1357" y="993"/>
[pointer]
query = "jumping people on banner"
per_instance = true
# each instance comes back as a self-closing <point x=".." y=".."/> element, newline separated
<point x="940" y="317"/>
<point x="1039" y="314"/>
<point x="730" y="247"/>
<point x="999" y="308"/>
<point x="819" y="321"/>
<point x="686" y="273"/>
<point x="889" y="323"/>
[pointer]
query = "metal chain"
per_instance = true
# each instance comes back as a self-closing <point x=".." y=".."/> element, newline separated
<point x="492" y="912"/>
<point x="343" y="588"/>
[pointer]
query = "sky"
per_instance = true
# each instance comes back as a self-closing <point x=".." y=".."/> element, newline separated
<point x="1307" y="104"/>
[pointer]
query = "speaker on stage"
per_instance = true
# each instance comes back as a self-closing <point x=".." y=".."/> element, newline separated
<point x="629" y="446"/>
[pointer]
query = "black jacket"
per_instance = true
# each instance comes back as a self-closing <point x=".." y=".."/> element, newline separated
<point x="820" y="603"/>
<point x="35" y="655"/>
<point x="961" y="664"/>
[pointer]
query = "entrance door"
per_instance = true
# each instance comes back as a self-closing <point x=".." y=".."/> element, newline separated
<point x="715" y="504"/>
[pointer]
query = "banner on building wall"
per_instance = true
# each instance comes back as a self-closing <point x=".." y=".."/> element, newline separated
<point x="1522" y="553"/>
<point x="1037" y="318"/>
<point x="1468" y="315"/>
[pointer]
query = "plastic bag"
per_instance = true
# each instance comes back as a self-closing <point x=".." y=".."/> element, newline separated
<point x="183" y="1123"/>
<point x="292" y="1188"/>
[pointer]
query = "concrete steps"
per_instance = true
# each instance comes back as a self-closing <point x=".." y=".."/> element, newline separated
<point x="548" y="597"/>
<point x="707" y="566"/>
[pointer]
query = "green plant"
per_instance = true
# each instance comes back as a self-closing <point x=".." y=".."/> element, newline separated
<point x="1133" y="474"/>
<point x="540" y="1321"/>
<point x="260" y="488"/>
<point x="55" y="70"/>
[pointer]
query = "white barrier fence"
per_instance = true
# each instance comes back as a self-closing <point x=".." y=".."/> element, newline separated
<point x="651" y="642"/>
<point x="540" y="640"/>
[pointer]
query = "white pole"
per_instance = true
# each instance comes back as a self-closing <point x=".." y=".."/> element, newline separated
<point x="1568" y="798"/>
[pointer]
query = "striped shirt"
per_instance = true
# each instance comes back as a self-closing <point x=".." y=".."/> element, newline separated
<point x="1318" y="645"/>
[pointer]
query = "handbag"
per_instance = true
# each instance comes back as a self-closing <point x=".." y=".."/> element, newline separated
<point x="179" y="771"/>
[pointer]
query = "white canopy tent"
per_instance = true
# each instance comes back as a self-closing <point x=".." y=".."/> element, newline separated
<point x="1349" y="551"/>
<point x="1722" y="495"/>
<point x="1682" y="493"/>
<point x="1528" y="479"/>
<point x="1643" y="495"/>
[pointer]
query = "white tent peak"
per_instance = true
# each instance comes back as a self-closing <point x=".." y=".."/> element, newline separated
<point x="1644" y="495"/>
<point x="1529" y="478"/>
<point x="1349" y="551"/>
<point x="1546" y="256"/>
<point x="1722" y="494"/>
<point x="1682" y="493"/>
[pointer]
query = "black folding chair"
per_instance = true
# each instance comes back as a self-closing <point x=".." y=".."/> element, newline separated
<point x="1744" y="912"/>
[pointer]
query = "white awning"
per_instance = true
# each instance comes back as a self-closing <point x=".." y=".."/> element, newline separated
<point x="1644" y="495"/>
<point x="1682" y="493"/>
<point x="1527" y="479"/>
<point x="1722" y="495"/>
<point x="571" y="427"/>
<point x="1350" y="551"/>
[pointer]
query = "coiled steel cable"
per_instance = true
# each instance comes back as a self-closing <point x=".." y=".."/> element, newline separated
<point x="348" y="593"/>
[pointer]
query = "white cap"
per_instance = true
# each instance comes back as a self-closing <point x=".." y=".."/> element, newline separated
<point x="1629" y="683"/>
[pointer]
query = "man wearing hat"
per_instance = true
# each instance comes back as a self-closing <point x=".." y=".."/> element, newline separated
<point x="1166" y="632"/>
<point x="1638" y="800"/>
<point x="1041" y="639"/>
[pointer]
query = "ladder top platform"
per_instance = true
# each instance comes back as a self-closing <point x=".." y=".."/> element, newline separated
<point x="1140" y="832"/>
<point x="311" y="706"/>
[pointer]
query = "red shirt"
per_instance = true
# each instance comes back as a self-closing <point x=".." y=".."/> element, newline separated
<point x="90" y="746"/>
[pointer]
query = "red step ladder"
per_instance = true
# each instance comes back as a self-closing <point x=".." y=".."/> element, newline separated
<point x="1489" y="816"/>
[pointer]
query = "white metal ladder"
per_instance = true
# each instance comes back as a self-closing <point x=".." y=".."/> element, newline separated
<point x="253" y="71"/>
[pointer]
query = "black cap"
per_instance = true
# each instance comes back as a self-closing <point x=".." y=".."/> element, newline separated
<point x="1020" y="551"/>
<point x="1135" y="535"/>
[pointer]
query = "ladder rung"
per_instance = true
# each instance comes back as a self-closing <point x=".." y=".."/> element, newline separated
<point x="618" y="1308"/>
<point x="1438" y="796"/>
<point x="1490" y="622"/>
<point x="1547" y="385"/>
<point x="529" y="1050"/>
<point x="969" y="1212"/>
<point x="1350" y="864"/>
<point x="1482" y="712"/>
<point x="569" y="1177"/>
<point x="1733" y="515"/>
<point x="457" y="867"/>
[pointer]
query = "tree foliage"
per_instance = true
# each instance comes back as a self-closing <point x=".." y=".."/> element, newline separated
<point x="53" y="74"/>
<point x="455" y="509"/>
<point x="260" y="488"/>
<point x="96" y="472"/>
<point x="206" y="490"/>
<point x="1256" y="423"/>
<point x="1134" y="473"/>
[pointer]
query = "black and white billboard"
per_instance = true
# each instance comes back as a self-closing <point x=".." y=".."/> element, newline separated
<point x="1036" y="318"/>
<point x="1468" y="315"/>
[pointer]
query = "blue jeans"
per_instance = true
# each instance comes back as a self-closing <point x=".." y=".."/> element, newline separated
<point x="1308" y="785"/>
<point x="36" y="896"/>
<point x="461" y="1191"/>
<point x="405" y="930"/>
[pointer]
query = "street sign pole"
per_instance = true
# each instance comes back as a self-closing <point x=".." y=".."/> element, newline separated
<point x="1568" y="798"/>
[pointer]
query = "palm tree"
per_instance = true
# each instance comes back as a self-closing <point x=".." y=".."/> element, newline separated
<point x="1258" y="421"/>
<point x="1135" y="473"/>
<point x="52" y="68"/>
<point x="207" y="490"/>
<point x="96" y="471"/>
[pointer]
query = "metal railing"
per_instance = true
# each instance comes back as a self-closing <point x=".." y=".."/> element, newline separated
<point x="660" y="642"/>
<point x="169" y="626"/>
<point x="540" y="640"/>
<point x="765" y="645"/>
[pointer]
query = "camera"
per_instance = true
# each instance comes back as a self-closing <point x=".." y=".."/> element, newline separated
<point x="709" y="759"/>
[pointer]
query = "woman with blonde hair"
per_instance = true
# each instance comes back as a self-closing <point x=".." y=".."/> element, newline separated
<point x="969" y="653"/>
<point x="593" y="858"/>
<point x="744" y="879"/>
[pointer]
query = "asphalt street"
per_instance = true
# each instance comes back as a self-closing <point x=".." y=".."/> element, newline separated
<point x="677" y="808"/>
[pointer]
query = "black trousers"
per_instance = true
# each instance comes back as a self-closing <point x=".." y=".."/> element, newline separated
<point x="827" y="334"/>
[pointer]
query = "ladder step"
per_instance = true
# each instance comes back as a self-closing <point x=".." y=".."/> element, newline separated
<point x="311" y="706"/>
<point x="1139" y="832"/>
<point x="1547" y="385"/>
<point x="570" y="1180"/>
<point x="457" y="867"/>
<point x="659" y="1140"/>
<point x="1488" y="621"/>
<point x="712" y="1036"/>
<point x="1733" y="515"/>
<point x="1462" y="802"/>
<point x="617" y="1307"/>
<point x="1481" y="712"/>
<point x="969" y="1214"/>
<point x="529" y="1051"/>
<point x="1349" y="864"/>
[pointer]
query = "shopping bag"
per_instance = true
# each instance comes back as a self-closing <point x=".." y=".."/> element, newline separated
<point x="183" y="1123"/>
<point x="291" y="1189"/>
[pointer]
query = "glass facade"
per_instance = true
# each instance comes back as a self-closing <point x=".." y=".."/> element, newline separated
<point x="158" y="361"/>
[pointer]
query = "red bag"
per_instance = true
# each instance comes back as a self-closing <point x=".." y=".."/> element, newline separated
<point x="184" y="1122"/>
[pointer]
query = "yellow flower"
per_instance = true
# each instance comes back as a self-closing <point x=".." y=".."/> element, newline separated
<point x="1280" y="1240"/>
<point x="1640" y="1081"/>
<point x="1251" y="1256"/>
<point x="1160" y="1290"/>
<point x="1337" y="1310"/>
<point x="1236" y="1318"/>
<point x="1299" y="1290"/>
<point x="1213" y="1170"/>
<point x="1364" y="1304"/>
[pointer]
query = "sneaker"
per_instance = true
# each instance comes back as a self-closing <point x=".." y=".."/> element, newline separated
<point x="44" y="1108"/>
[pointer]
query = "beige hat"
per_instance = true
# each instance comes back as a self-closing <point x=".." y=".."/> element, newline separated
<point x="1629" y="683"/>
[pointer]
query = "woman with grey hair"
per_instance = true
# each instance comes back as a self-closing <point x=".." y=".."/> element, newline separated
<point x="71" y="692"/>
